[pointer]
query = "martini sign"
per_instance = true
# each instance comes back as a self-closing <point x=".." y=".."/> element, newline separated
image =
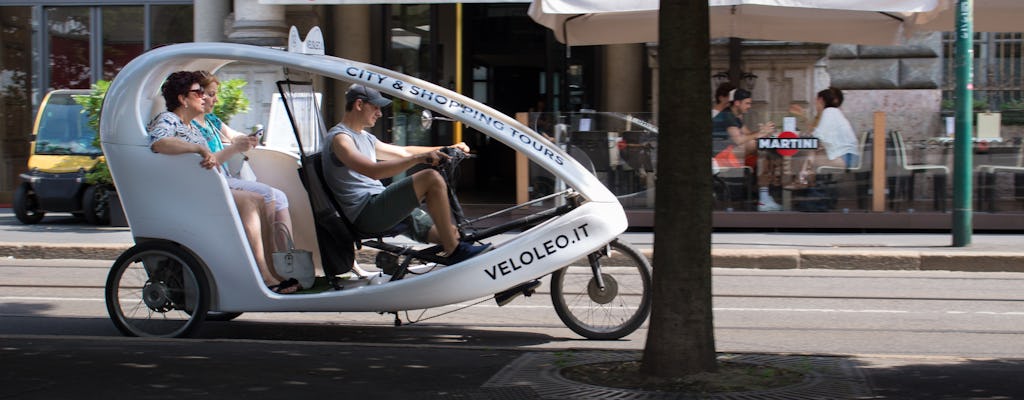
<point x="787" y="144"/>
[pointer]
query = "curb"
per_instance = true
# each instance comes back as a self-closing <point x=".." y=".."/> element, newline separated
<point x="721" y="258"/>
<point x="67" y="251"/>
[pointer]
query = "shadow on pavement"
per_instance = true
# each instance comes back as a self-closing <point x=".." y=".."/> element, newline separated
<point x="945" y="379"/>
<point x="420" y="334"/>
<point x="426" y="335"/>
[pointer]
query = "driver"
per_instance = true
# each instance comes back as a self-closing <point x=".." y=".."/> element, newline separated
<point x="354" y="161"/>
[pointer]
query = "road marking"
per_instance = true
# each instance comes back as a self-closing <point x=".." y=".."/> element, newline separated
<point x="825" y="310"/>
<point x="48" y="298"/>
<point x="548" y="306"/>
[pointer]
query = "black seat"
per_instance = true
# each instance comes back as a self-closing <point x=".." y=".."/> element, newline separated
<point x="335" y="234"/>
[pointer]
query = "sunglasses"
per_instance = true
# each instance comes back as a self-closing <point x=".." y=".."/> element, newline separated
<point x="200" y="92"/>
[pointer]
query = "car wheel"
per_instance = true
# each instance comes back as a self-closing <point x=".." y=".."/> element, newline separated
<point x="96" y="205"/>
<point x="26" y="205"/>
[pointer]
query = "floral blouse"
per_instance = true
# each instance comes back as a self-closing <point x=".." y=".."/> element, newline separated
<point x="168" y="124"/>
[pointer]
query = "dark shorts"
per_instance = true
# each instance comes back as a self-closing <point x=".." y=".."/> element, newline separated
<point x="395" y="205"/>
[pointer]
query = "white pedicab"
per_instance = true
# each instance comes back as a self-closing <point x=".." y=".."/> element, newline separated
<point x="191" y="261"/>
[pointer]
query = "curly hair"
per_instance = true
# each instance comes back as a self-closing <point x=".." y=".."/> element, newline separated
<point x="178" y="84"/>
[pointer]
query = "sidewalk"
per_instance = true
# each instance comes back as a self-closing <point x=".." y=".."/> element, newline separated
<point x="62" y="237"/>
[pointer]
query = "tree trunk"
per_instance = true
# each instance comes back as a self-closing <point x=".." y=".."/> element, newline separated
<point x="681" y="339"/>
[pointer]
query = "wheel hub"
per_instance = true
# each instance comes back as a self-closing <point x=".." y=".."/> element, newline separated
<point x="611" y="290"/>
<point x="157" y="297"/>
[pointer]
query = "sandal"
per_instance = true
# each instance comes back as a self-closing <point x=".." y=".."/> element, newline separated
<point x="288" y="286"/>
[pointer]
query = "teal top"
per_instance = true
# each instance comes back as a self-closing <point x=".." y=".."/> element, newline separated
<point x="211" y="131"/>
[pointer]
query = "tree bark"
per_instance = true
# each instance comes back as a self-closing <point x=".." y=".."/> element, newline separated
<point x="680" y="339"/>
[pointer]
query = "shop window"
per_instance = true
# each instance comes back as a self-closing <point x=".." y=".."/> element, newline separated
<point x="480" y="83"/>
<point x="170" y="24"/>
<point x="68" y="30"/>
<point x="122" y="37"/>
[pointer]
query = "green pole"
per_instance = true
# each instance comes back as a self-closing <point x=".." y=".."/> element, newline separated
<point x="962" y="144"/>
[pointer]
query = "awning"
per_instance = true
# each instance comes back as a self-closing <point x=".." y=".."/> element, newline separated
<point x="350" y="2"/>
<point x="591" y="22"/>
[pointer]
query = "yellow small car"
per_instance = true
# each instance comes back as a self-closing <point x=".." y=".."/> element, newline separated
<point x="63" y="151"/>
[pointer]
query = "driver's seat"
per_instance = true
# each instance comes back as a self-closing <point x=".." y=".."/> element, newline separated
<point x="336" y="236"/>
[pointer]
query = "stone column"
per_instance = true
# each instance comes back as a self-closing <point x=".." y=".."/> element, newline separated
<point x="623" y="77"/>
<point x="259" y="24"/>
<point x="208" y="20"/>
<point x="350" y="40"/>
<point x="352" y="34"/>
<point x="652" y="64"/>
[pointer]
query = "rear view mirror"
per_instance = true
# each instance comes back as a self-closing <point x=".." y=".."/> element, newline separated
<point x="427" y="119"/>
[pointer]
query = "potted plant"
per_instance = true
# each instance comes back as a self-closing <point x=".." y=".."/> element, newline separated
<point x="102" y="194"/>
<point x="1013" y="112"/>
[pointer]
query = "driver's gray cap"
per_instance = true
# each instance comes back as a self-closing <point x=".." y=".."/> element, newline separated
<point x="357" y="91"/>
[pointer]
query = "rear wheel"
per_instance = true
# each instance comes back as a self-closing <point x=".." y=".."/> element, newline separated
<point x="157" y="289"/>
<point x="610" y="313"/>
<point x="26" y="205"/>
<point x="96" y="204"/>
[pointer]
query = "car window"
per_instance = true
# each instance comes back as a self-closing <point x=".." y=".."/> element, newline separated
<point x="64" y="129"/>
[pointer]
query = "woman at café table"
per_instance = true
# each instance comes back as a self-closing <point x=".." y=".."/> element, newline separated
<point x="837" y="141"/>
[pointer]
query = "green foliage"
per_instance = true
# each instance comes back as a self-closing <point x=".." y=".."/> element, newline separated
<point x="1014" y="105"/>
<point x="92" y="104"/>
<point x="230" y="99"/>
<point x="99" y="174"/>
<point x="979" y="104"/>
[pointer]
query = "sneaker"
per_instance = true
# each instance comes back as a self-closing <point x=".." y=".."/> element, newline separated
<point x="527" y="289"/>
<point x="770" y="205"/>
<point x="465" y="251"/>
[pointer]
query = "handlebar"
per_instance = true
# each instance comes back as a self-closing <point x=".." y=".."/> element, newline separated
<point x="455" y="157"/>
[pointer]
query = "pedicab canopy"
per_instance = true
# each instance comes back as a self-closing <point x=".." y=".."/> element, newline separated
<point x="171" y="199"/>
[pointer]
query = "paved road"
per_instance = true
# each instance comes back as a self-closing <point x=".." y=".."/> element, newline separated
<point x="263" y="360"/>
<point x="62" y="237"/>
<point x="888" y="334"/>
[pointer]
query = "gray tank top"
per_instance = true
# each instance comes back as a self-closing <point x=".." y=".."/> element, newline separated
<point x="351" y="189"/>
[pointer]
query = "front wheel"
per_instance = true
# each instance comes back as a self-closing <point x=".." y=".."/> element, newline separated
<point x="26" y="205"/>
<point x="610" y="313"/>
<point x="157" y="289"/>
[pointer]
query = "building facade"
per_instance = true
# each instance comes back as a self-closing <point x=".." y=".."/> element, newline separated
<point x="507" y="61"/>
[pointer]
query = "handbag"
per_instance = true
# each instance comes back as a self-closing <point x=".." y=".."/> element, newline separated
<point x="292" y="262"/>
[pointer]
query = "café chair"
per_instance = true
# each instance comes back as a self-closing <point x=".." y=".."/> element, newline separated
<point x="859" y="169"/>
<point x="987" y="179"/>
<point x="904" y="187"/>
<point x="733" y="186"/>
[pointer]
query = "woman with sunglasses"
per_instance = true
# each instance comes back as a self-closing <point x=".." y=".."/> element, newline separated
<point x="172" y="133"/>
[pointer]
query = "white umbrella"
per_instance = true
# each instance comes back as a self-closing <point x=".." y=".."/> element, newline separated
<point x="989" y="16"/>
<point x="593" y="22"/>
